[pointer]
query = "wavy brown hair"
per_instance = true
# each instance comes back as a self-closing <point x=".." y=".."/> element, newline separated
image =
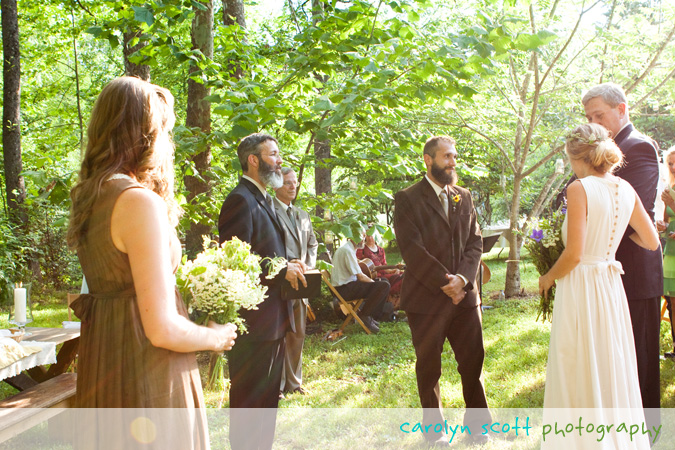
<point x="129" y="133"/>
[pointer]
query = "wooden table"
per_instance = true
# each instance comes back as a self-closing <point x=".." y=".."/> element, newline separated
<point x="69" y="337"/>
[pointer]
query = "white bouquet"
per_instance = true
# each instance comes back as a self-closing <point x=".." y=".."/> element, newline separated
<point x="224" y="278"/>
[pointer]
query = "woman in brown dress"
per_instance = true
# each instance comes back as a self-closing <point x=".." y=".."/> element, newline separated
<point x="137" y="344"/>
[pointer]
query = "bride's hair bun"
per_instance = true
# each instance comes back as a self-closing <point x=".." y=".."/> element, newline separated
<point x="591" y="143"/>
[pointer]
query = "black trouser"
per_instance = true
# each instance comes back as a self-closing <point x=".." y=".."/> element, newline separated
<point x="255" y="377"/>
<point x="375" y="295"/>
<point x="645" y="316"/>
<point x="462" y="328"/>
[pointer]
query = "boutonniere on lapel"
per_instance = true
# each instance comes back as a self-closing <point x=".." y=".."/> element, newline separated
<point x="455" y="201"/>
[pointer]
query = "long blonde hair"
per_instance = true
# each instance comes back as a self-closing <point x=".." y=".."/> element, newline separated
<point x="129" y="133"/>
<point x="668" y="153"/>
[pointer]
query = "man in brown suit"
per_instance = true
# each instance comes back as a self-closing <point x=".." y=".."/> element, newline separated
<point x="440" y="242"/>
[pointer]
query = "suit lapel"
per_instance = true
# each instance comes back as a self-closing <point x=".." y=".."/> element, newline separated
<point x="454" y="209"/>
<point x="261" y="200"/>
<point x="623" y="134"/>
<point x="433" y="201"/>
<point x="281" y="213"/>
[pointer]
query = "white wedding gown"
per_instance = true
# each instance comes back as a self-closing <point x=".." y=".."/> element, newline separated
<point x="591" y="360"/>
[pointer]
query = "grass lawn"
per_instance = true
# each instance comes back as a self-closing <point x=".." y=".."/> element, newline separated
<point x="377" y="371"/>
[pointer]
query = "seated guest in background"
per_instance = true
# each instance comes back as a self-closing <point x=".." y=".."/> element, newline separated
<point x="377" y="255"/>
<point x="352" y="284"/>
<point x="393" y="276"/>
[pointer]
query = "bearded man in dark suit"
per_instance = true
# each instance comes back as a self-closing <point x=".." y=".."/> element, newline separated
<point x="255" y="368"/>
<point x="606" y="104"/>
<point x="440" y="242"/>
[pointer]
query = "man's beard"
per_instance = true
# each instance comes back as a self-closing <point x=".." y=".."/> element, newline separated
<point x="442" y="176"/>
<point x="268" y="175"/>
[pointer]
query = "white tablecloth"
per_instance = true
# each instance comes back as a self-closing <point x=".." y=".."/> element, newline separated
<point x="46" y="356"/>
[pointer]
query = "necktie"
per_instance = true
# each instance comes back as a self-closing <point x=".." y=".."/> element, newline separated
<point x="291" y="216"/>
<point x="445" y="203"/>
<point x="268" y="200"/>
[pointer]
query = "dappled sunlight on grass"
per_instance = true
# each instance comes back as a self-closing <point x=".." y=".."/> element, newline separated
<point x="378" y="371"/>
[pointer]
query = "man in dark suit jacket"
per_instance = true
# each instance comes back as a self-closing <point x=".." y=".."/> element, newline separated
<point x="255" y="367"/>
<point x="606" y="104"/>
<point x="300" y="244"/>
<point x="441" y="246"/>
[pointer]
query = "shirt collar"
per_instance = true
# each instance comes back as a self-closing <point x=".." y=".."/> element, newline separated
<point x="437" y="188"/>
<point x="624" y="126"/>
<point x="258" y="185"/>
<point x="282" y="204"/>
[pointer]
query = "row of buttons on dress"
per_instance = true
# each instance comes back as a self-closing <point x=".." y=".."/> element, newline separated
<point x="616" y="217"/>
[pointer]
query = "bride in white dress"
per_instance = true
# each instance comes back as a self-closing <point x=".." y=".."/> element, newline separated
<point x="591" y="361"/>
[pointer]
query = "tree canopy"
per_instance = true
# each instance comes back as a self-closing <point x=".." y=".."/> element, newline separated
<point x="351" y="89"/>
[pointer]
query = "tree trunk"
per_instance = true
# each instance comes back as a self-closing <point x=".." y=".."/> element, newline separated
<point x="512" y="285"/>
<point x="233" y="12"/>
<point x="11" y="119"/>
<point x="199" y="115"/>
<point x="131" y="69"/>
<point x="322" y="177"/>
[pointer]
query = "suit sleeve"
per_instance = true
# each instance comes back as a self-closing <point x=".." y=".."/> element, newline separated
<point x="235" y="220"/>
<point x="419" y="262"/>
<point x="641" y="170"/>
<point x="473" y="248"/>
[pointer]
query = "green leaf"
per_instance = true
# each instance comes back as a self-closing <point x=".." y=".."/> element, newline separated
<point x="59" y="193"/>
<point x="114" y="41"/>
<point x="323" y="104"/>
<point x="239" y="132"/>
<point x="143" y="14"/>
<point x="371" y="67"/>
<point x="214" y="98"/>
<point x="95" y="31"/>
<point x="292" y="125"/>
<point x="224" y="109"/>
<point x="198" y="5"/>
<point x="528" y="42"/>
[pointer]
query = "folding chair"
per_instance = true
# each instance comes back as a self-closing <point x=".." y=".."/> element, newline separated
<point x="349" y="306"/>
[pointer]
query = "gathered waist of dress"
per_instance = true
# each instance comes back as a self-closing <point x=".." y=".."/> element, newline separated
<point x="130" y="292"/>
<point x="601" y="263"/>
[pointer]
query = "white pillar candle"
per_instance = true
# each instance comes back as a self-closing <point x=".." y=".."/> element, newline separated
<point x="20" y="304"/>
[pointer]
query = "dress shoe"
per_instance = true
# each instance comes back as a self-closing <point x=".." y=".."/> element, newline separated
<point x="440" y="442"/>
<point x="370" y="324"/>
<point x="669" y="355"/>
<point x="281" y="395"/>
<point x="297" y="390"/>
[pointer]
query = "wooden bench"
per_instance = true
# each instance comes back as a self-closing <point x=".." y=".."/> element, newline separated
<point x="28" y="408"/>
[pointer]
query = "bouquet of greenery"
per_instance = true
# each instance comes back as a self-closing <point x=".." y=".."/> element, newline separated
<point x="221" y="280"/>
<point x="545" y="246"/>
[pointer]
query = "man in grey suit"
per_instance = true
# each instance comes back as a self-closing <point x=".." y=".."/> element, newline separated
<point x="301" y="244"/>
